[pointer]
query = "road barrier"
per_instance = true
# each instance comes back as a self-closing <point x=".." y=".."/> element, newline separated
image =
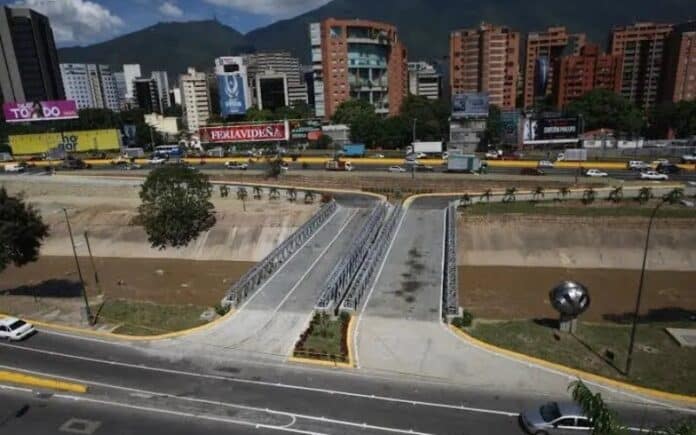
<point x="450" y="291"/>
<point x="253" y="279"/>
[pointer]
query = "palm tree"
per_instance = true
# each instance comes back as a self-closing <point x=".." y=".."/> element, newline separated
<point x="242" y="193"/>
<point x="603" y="419"/>
<point x="562" y="194"/>
<point x="674" y="196"/>
<point x="257" y="192"/>
<point x="309" y="197"/>
<point x="510" y="194"/>
<point x="538" y="193"/>
<point x="644" y="195"/>
<point x="273" y="193"/>
<point x="616" y="195"/>
<point x="224" y="191"/>
<point x="292" y="194"/>
<point x="588" y="196"/>
<point x="486" y="196"/>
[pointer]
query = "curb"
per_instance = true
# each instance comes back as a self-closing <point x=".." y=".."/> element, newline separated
<point x="334" y="364"/>
<point x="649" y="392"/>
<point x="41" y="382"/>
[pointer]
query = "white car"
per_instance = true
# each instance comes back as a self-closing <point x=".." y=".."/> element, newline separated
<point x="492" y="155"/>
<point x="637" y="165"/>
<point x="237" y="165"/>
<point x="595" y="173"/>
<point x="445" y="155"/>
<point x="396" y="169"/>
<point x="378" y="156"/>
<point x="15" y="167"/>
<point x="421" y="155"/>
<point x="12" y="328"/>
<point x="658" y="162"/>
<point x="156" y="161"/>
<point x="545" y="164"/>
<point x="653" y="175"/>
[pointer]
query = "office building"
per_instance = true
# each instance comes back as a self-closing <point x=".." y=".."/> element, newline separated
<point x="146" y="95"/>
<point x="271" y="90"/>
<point x="280" y="63"/>
<point x="29" y="68"/>
<point x="120" y="79"/>
<point x="358" y="59"/>
<point x="424" y="80"/>
<point x="542" y="53"/>
<point x="640" y="48"/>
<point x="130" y="73"/>
<point x="90" y="86"/>
<point x="679" y="80"/>
<point x="195" y="99"/>
<point x="577" y="75"/>
<point x="162" y="81"/>
<point x="175" y="96"/>
<point x="486" y="59"/>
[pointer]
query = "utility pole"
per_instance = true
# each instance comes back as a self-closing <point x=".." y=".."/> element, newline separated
<point x="79" y="271"/>
<point x="91" y="259"/>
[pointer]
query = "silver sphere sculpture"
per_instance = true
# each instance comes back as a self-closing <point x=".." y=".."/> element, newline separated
<point x="570" y="299"/>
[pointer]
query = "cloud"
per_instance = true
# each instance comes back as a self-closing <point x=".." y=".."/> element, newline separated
<point x="76" y="21"/>
<point x="274" y="8"/>
<point x="170" y="10"/>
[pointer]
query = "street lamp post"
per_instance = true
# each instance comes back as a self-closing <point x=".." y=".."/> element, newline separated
<point x="636" y="312"/>
<point x="88" y="312"/>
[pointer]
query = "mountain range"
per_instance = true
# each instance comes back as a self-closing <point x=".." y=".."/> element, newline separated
<point x="424" y="26"/>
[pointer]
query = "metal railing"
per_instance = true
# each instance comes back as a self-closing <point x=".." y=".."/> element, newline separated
<point x="258" y="274"/>
<point x="367" y="273"/>
<point x="450" y="298"/>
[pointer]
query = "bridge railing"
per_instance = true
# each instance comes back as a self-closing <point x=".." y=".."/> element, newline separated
<point x="450" y="291"/>
<point x="258" y="274"/>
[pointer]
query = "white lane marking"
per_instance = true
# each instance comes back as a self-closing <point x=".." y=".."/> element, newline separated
<point x="292" y="415"/>
<point x="442" y="264"/>
<point x="264" y="384"/>
<point x="372" y="289"/>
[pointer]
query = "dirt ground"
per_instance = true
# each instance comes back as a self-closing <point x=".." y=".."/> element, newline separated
<point x="502" y="292"/>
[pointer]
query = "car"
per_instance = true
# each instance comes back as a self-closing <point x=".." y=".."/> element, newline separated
<point x="396" y="169"/>
<point x="14" y="329"/>
<point x="659" y="162"/>
<point x="545" y="164"/>
<point x="667" y="168"/>
<point x="424" y="168"/>
<point x="595" y="173"/>
<point x="131" y="166"/>
<point x="637" y="165"/>
<point x="156" y="160"/>
<point x="421" y="155"/>
<point x="555" y="418"/>
<point x="445" y="155"/>
<point x="236" y="165"/>
<point x="532" y="171"/>
<point x="72" y="164"/>
<point x="16" y="167"/>
<point x="378" y="156"/>
<point x="688" y="158"/>
<point x="653" y="175"/>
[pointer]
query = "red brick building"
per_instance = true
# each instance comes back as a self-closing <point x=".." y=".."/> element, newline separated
<point x="679" y="78"/>
<point x="579" y="74"/>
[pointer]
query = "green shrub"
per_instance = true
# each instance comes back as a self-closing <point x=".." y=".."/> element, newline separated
<point x="464" y="320"/>
<point x="221" y="310"/>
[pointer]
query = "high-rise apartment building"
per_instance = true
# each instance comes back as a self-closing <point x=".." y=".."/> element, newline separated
<point x="486" y="59"/>
<point x="29" y="68"/>
<point x="195" y="99"/>
<point x="91" y="86"/>
<point x="120" y="79"/>
<point x="543" y="51"/>
<point x="130" y="73"/>
<point x="162" y="81"/>
<point x="679" y="78"/>
<point x="424" y="80"/>
<point x="146" y="95"/>
<point x="578" y="74"/>
<point x="640" y="48"/>
<point x="358" y="59"/>
<point x="280" y="63"/>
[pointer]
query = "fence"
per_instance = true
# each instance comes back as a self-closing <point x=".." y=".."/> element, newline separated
<point x="450" y="291"/>
<point x="251" y="281"/>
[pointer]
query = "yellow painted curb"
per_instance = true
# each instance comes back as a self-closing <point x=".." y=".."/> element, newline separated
<point x="41" y="382"/>
<point x="349" y="341"/>
<point x="663" y="395"/>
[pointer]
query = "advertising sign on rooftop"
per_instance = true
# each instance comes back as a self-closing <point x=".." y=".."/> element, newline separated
<point x="233" y="92"/>
<point x="40" y="111"/>
<point x="240" y="133"/>
<point x="551" y="130"/>
<point x="472" y="104"/>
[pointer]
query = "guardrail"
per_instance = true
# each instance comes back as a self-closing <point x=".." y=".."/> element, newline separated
<point x="367" y="273"/>
<point x="450" y="291"/>
<point x="258" y="274"/>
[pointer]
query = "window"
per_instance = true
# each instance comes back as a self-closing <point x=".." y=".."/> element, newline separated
<point x="582" y="422"/>
<point x="567" y="422"/>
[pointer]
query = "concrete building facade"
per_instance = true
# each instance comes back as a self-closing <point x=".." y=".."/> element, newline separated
<point x="640" y="48"/>
<point x="543" y="51"/>
<point x="577" y="75"/>
<point x="280" y="63"/>
<point x="358" y="59"/>
<point x="486" y="59"/>
<point x="130" y="73"/>
<point x="90" y="86"/>
<point x="679" y="80"/>
<point x="162" y="80"/>
<point x="29" y="68"/>
<point x="195" y="99"/>
<point x="424" y="80"/>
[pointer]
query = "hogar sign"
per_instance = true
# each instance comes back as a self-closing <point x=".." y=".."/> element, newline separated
<point x="40" y="111"/>
<point x="267" y="132"/>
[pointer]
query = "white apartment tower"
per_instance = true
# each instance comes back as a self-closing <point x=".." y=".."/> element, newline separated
<point x="162" y="81"/>
<point x="195" y="99"/>
<point x="91" y="86"/>
<point x="130" y="73"/>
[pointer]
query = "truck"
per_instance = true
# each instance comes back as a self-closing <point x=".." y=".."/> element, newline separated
<point x="353" y="150"/>
<point x="15" y="167"/>
<point x="338" y="165"/>
<point x="573" y="155"/>
<point x="464" y="163"/>
<point x="425" y="148"/>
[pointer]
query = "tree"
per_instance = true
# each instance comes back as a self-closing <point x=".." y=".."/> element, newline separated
<point x="175" y="206"/>
<point x="432" y="117"/>
<point x="603" y="419"/>
<point x="256" y="115"/>
<point x="324" y="142"/>
<point x="601" y="108"/>
<point x="21" y="231"/>
<point x="348" y="111"/>
<point x="679" y="118"/>
<point x="494" y="126"/>
<point x="366" y="128"/>
<point x="395" y="132"/>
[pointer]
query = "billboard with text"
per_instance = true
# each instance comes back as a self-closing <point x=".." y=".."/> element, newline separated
<point x="472" y="104"/>
<point x="239" y="133"/>
<point x="564" y="129"/>
<point x="232" y="88"/>
<point x="40" y="111"/>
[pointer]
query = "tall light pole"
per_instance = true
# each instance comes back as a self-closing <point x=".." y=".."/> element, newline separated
<point x="636" y="312"/>
<point x="77" y="265"/>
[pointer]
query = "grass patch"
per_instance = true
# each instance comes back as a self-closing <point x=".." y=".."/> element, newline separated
<point x="601" y="208"/>
<point x="146" y="318"/>
<point x="658" y="361"/>
<point x="325" y="339"/>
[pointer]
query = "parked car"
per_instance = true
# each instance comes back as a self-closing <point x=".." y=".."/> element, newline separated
<point x="12" y="328"/>
<point x="667" y="168"/>
<point x="396" y="169"/>
<point x="532" y="171"/>
<point x="555" y="418"/>
<point x="637" y="165"/>
<point x="653" y="175"/>
<point x="545" y="164"/>
<point x="595" y="173"/>
<point x="237" y="165"/>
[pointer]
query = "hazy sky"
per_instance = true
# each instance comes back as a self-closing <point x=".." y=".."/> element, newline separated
<point x="84" y="22"/>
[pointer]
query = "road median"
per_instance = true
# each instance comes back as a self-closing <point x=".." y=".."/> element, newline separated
<point x="16" y="378"/>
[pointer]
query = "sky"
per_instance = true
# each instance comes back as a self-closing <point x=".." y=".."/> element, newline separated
<point x="85" y="22"/>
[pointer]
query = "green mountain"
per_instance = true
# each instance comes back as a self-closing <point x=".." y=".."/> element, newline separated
<point x="168" y="47"/>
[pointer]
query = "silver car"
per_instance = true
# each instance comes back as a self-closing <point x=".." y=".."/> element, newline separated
<point x="555" y="418"/>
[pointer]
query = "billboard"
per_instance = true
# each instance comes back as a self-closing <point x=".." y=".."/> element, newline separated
<point x="470" y="104"/>
<point x="40" y="111"/>
<point x="551" y="130"/>
<point x="309" y="129"/>
<point x="86" y="140"/>
<point x="232" y="88"/>
<point x="541" y="76"/>
<point x="239" y="133"/>
<point x="511" y="127"/>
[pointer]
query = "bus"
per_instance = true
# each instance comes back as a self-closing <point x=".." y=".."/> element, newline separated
<point x="169" y="151"/>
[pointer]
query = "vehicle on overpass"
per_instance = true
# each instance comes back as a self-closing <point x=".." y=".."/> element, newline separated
<point x="236" y="165"/>
<point x="396" y="169"/>
<point x="14" y="329"/>
<point x="595" y="173"/>
<point x="653" y="175"/>
<point x="555" y="418"/>
<point x="338" y="165"/>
